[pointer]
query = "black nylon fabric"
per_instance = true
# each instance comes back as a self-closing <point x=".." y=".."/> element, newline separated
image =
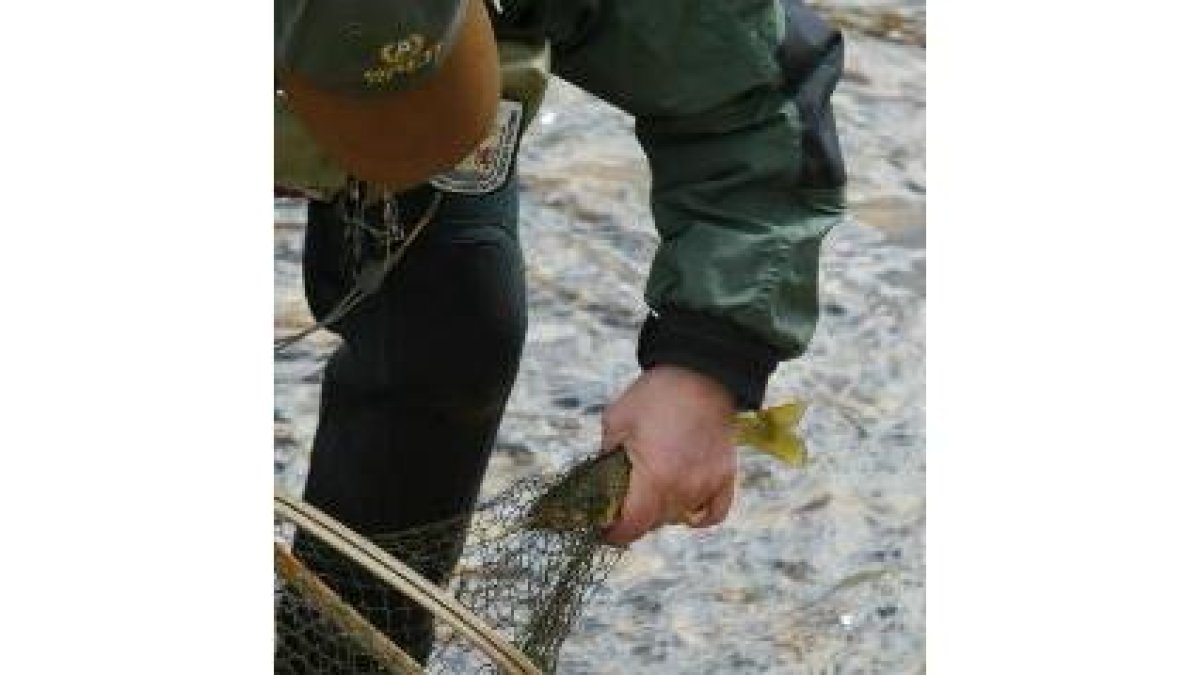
<point x="729" y="354"/>
<point x="411" y="400"/>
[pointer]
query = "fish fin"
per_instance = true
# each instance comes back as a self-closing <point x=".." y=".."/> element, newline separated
<point x="786" y="415"/>
<point x="787" y="447"/>
<point x="773" y="432"/>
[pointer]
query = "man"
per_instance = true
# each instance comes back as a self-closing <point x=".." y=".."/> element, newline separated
<point x="732" y="110"/>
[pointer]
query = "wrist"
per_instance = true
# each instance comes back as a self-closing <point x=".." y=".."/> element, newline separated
<point x="695" y="385"/>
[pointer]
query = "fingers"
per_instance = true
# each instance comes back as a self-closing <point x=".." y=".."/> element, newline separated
<point x="674" y="423"/>
<point x="644" y="510"/>
<point x="613" y="429"/>
<point x="692" y="518"/>
<point x="639" y="513"/>
<point x="609" y="439"/>
<point x="717" y="509"/>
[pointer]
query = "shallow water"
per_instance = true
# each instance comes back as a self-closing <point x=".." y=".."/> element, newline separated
<point x="818" y="569"/>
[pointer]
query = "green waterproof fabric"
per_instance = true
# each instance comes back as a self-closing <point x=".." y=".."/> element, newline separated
<point x="740" y="235"/>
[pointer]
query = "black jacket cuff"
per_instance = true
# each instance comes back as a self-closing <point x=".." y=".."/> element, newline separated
<point x="726" y="352"/>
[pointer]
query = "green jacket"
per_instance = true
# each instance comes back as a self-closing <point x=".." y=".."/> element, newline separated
<point x="734" y="120"/>
<point x="733" y="285"/>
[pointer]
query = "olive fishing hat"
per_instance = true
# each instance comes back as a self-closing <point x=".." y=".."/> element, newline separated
<point x="395" y="91"/>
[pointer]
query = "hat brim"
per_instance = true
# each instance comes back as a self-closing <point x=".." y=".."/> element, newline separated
<point x="398" y="140"/>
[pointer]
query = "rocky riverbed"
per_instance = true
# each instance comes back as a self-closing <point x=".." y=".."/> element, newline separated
<point x="818" y="569"/>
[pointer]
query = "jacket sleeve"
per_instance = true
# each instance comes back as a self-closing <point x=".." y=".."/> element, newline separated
<point x="739" y="196"/>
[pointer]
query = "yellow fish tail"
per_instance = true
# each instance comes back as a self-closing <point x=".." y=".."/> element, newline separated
<point x="773" y="431"/>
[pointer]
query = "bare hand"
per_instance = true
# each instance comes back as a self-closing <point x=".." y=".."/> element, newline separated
<point x="676" y="425"/>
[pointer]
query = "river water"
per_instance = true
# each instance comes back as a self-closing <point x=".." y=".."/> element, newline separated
<point x="819" y="569"/>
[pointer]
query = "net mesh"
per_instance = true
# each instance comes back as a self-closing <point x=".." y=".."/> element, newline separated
<point x="527" y="560"/>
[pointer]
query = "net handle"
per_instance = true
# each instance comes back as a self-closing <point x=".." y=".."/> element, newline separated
<point x="401" y="577"/>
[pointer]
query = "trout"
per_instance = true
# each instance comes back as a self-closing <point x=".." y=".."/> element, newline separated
<point x="591" y="493"/>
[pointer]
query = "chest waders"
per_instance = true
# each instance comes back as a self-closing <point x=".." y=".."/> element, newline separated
<point x="426" y="289"/>
<point x="373" y="250"/>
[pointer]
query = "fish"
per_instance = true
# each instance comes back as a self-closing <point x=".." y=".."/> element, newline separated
<point x="773" y="431"/>
<point x="590" y="495"/>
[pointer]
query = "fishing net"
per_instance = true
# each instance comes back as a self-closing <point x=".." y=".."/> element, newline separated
<point x="527" y="561"/>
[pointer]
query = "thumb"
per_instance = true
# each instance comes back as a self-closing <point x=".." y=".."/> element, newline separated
<point x="613" y="431"/>
<point x="639" y="512"/>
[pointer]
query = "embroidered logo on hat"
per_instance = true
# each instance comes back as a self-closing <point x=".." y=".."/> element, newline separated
<point x="403" y="57"/>
<point x="366" y="46"/>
